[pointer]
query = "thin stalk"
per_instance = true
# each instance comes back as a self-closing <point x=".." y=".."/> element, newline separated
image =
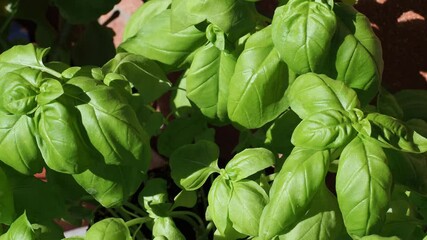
<point x="136" y="209"/>
<point x="137" y="221"/>
<point x="129" y="213"/>
<point x="189" y="213"/>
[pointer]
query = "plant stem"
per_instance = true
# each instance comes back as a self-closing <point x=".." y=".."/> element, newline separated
<point x="137" y="221"/>
<point x="135" y="209"/>
<point x="188" y="213"/>
<point x="128" y="212"/>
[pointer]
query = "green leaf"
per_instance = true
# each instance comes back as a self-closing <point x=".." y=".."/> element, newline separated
<point x="20" y="229"/>
<point x="247" y="201"/>
<point x="179" y="103"/>
<point x="356" y="47"/>
<point x="156" y="41"/>
<point x="392" y="133"/>
<point x="208" y="79"/>
<point x="18" y="95"/>
<point x="143" y="14"/>
<point x="179" y="132"/>
<point x="109" y="229"/>
<point x="18" y="145"/>
<point x="219" y="198"/>
<point x="324" y="130"/>
<point x="154" y="198"/>
<point x="363" y="186"/>
<point x="7" y="206"/>
<point x="387" y="104"/>
<point x="322" y="221"/>
<point x="229" y="15"/>
<point x="110" y="185"/>
<point x="186" y="199"/>
<point x="21" y="56"/>
<point x="408" y="169"/>
<point x="302" y="33"/>
<point x="249" y="162"/>
<point x="311" y="93"/>
<point x="278" y="136"/>
<point x="95" y="46"/>
<point x="146" y="75"/>
<point x="61" y="139"/>
<point x="413" y="103"/>
<point x="293" y="189"/>
<point x="165" y="227"/>
<point x="110" y="122"/>
<point x="78" y="11"/>
<point x="256" y="90"/>
<point x="377" y="237"/>
<point x="192" y="164"/>
<point x="50" y="90"/>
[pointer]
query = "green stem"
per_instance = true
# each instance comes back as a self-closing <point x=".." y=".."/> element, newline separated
<point x="138" y="231"/>
<point x="188" y="219"/>
<point x="129" y="213"/>
<point x="135" y="209"/>
<point x="137" y="221"/>
<point x="113" y="213"/>
<point x="188" y="213"/>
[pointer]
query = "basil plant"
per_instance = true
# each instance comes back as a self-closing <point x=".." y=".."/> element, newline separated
<point x="320" y="149"/>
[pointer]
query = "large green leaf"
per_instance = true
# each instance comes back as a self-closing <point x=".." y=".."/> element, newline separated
<point x="62" y="141"/>
<point x="156" y="41"/>
<point x="322" y="130"/>
<point x="229" y="15"/>
<point x="18" y="146"/>
<point x="144" y="13"/>
<point x="392" y="133"/>
<point x="182" y="131"/>
<point x="20" y="230"/>
<point x="165" y="227"/>
<point x="192" y="164"/>
<point x="248" y="162"/>
<point x="109" y="229"/>
<point x="110" y="122"/>
<point x="357" y="54"/>
<point x="293" y="189"/>
<point x="413" y="103"/>
<point x="363" y="187"/>
<point x="110" y="185"/>
<point x="21" y="56"/>
<point x="208" y="79"/>
<point x="7" y="206"/>
<point x="322" y="221"/>
<point x="387" y="104"/>
<point x="219" y="198"/>
<point x="311" y="93"/>
<point x="257" y="88"/>
<point x="81" y="11"/>
<point x="146" y="75"/>
<point x="245" y="207"/>
<point x="302" y="33"/>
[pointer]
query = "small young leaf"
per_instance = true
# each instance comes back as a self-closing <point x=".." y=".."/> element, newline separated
<point x="165" y="227"/>
<point x="249" y="162"/>
<point x="293" y="189"/>
<point x="20" y="229"/>
<point x="247" y="201"/>
<point x="192" y="164"/>
<point x="7" y="207"/>
<point x="50" y="90"/>
<point x="392" y="133"/>
<point x="257" y="88"/>
<point x="186" y="199"/>
<point x="322" y="221"/>
<point x="323" y="130"/>
<point x="208" y="79"/>
<point x="109" y="229"/>
<point x="363" y="187"/>
<point x="18" y="95"/>
<point x="311" y="93"/>
<point x="302" y="33"/>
